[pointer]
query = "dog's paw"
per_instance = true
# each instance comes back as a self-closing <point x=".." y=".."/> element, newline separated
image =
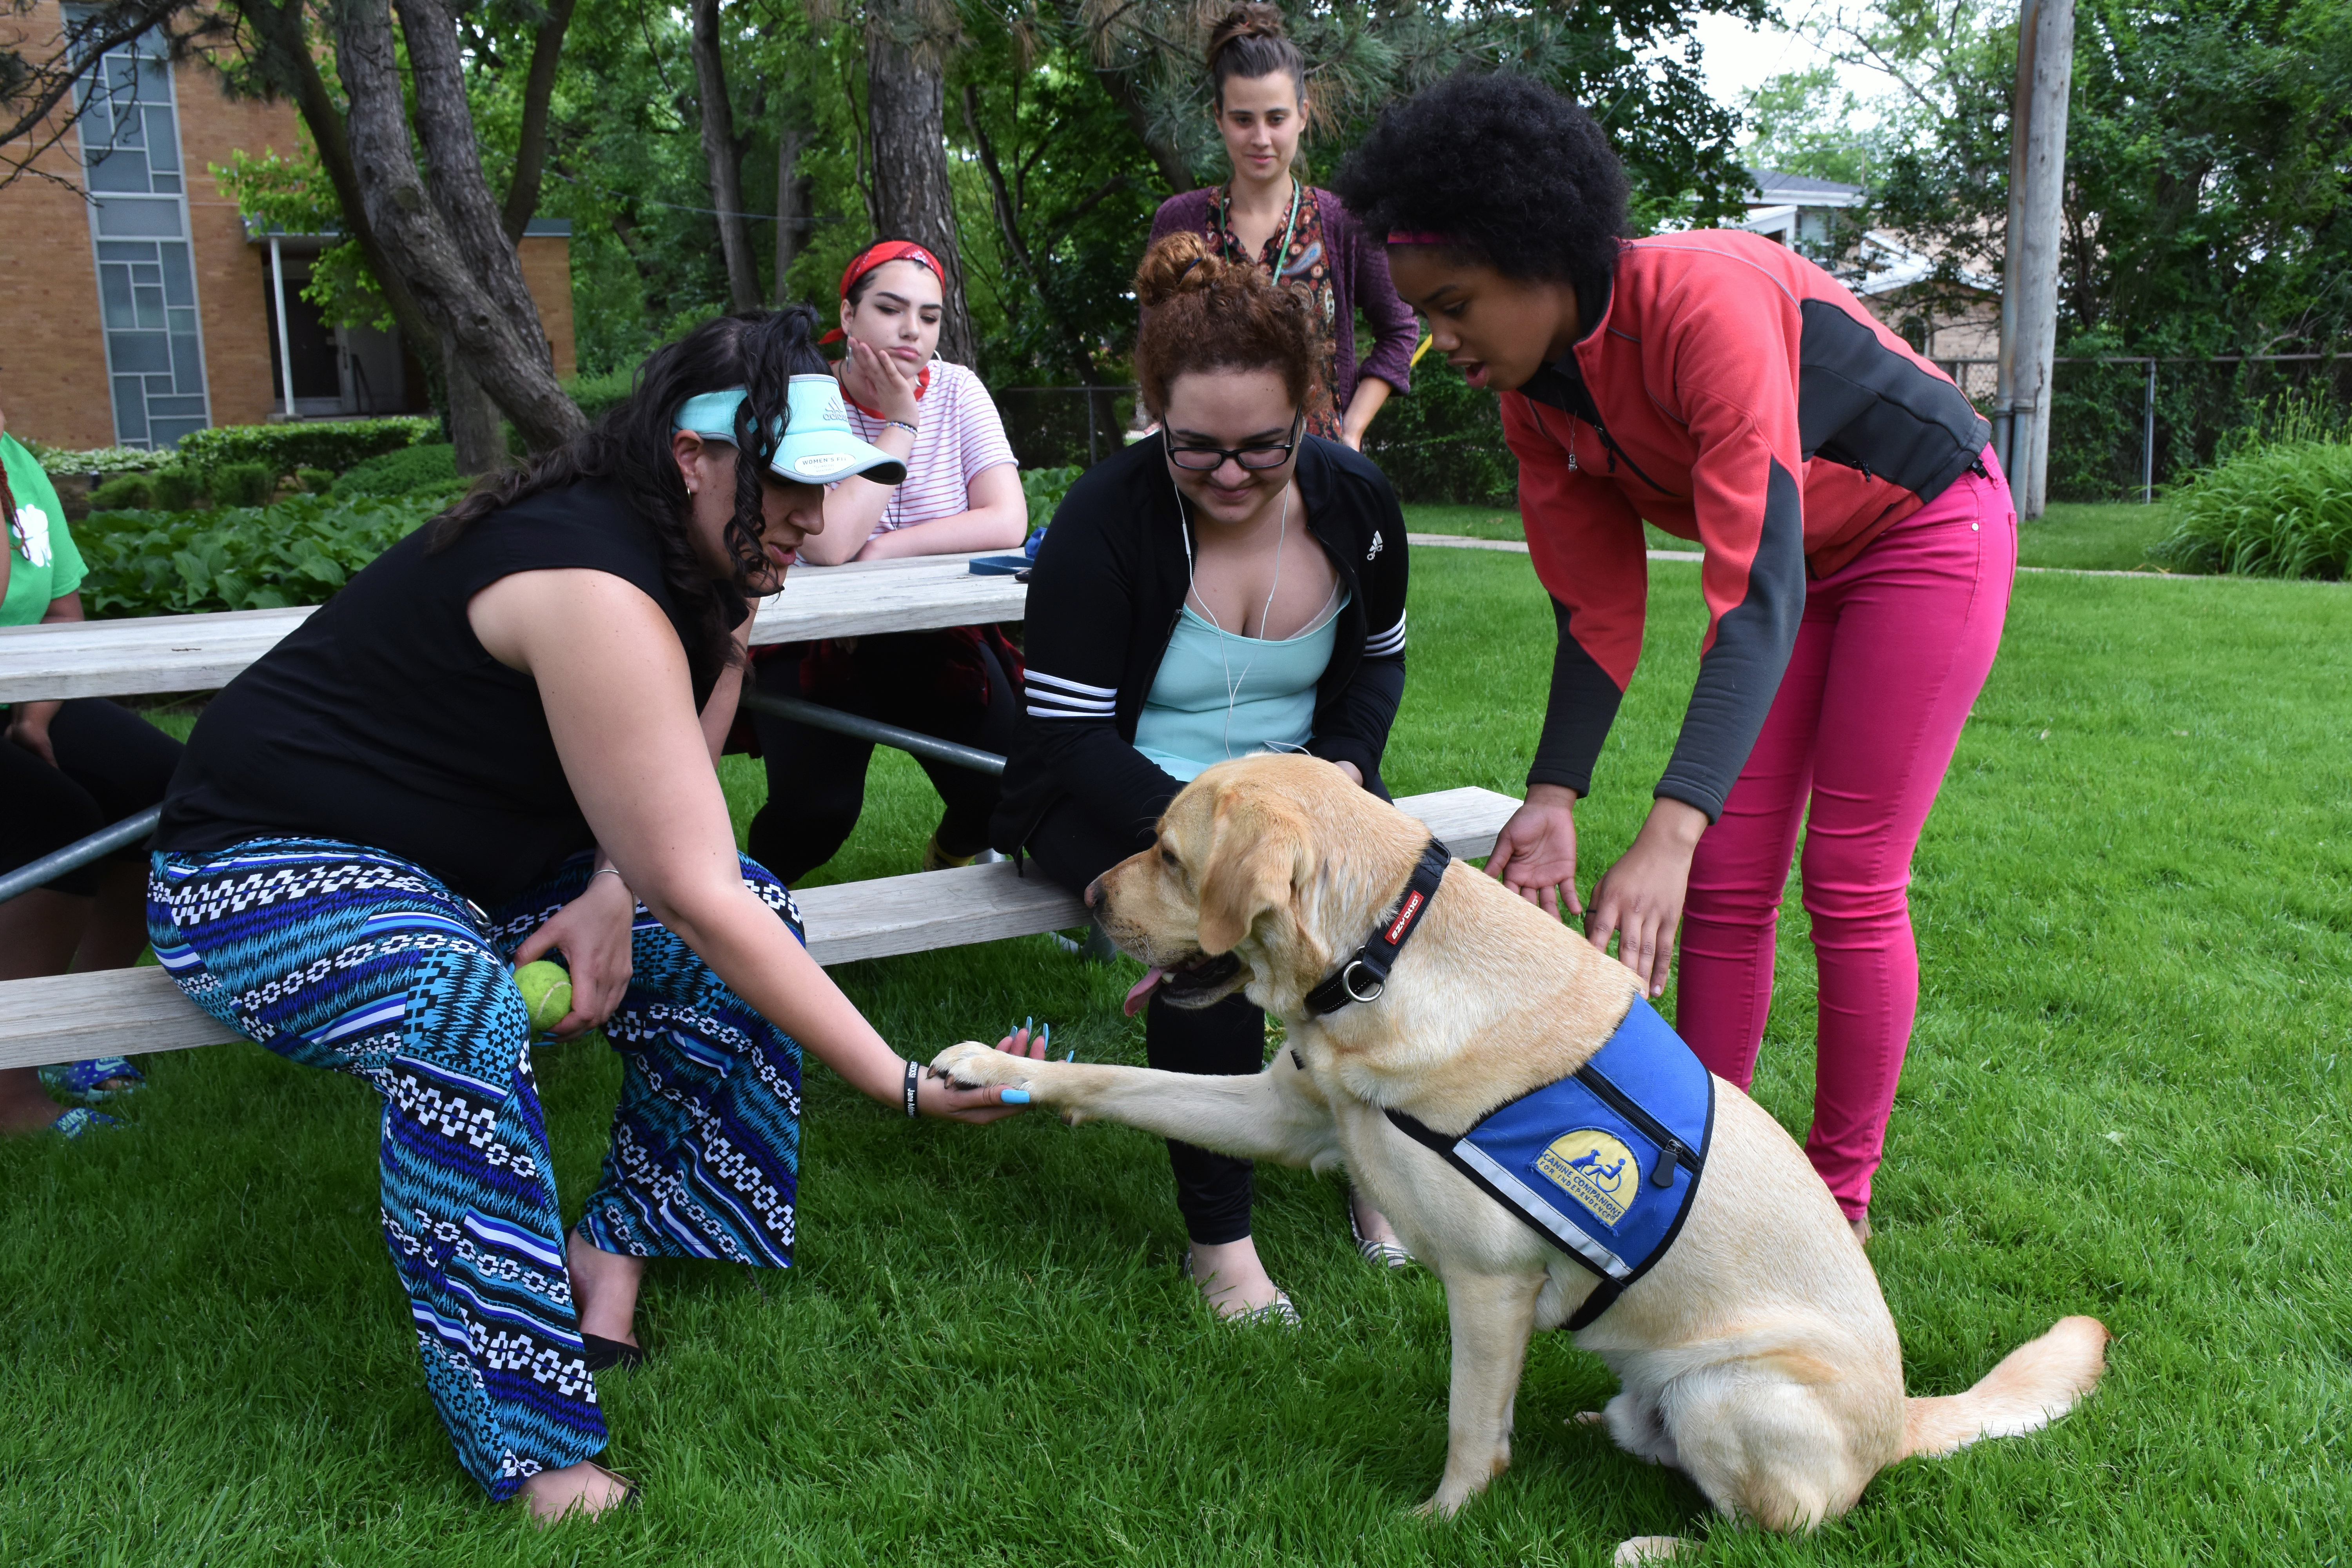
<point x="1641" y="1549"/>
<point x="972" y="1065"/>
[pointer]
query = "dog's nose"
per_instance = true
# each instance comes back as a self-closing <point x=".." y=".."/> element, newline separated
<point x="1094" y="892"/>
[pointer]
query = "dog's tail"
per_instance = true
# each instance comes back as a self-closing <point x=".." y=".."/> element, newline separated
<point x="2035" y="1384"/>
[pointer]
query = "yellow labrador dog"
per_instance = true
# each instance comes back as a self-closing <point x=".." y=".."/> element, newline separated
<point x="1758" y="1355"/>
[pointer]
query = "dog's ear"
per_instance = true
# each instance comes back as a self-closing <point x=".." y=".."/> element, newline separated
<point x="1252" y="857"/>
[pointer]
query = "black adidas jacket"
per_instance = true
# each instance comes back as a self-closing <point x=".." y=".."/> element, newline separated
<point x="1103" y="598"/>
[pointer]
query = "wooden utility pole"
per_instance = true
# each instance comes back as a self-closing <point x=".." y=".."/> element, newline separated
<point x="2029" y="278"/>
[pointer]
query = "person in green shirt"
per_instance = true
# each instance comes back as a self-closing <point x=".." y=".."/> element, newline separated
<point x="67" y="769"/>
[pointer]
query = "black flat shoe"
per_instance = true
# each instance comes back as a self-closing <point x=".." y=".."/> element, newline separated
<point x="609" y="1356"/>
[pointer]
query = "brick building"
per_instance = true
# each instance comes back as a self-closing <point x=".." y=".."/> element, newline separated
<point x="140" y="306"/>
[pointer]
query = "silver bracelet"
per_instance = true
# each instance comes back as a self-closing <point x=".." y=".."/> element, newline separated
<point x="606" y="871"/>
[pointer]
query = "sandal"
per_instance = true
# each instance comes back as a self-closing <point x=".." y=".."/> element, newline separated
<point x="1278" y="1313"/>
<point x="611" y="1355"/>
<point x="80" y="1121"/>
<point x="1389" y="1254"/>
<point x="87" y="1080"/>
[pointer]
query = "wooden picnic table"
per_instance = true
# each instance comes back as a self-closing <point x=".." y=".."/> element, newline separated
<point x="203" y="653"/>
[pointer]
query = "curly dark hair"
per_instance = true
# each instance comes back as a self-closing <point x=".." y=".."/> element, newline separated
<point x="1518" y="173"/>
<point x="629" y="448"/>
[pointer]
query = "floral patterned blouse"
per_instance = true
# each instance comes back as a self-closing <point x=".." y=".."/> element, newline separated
<point x="1305" y="268"/>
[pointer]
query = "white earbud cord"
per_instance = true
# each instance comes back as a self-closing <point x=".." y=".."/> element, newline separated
<point x="1193" y="590"/>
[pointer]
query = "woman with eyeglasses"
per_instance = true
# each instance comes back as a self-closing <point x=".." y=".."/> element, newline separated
<point x="1229" y="584"/>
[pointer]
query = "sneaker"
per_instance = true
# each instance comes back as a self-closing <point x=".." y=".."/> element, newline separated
<point x="80" y="1121"/>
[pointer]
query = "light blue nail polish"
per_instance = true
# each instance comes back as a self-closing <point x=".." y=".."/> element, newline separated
<point x="1015" y="1097"/>
<point x="1030" y="1024"/>
<point x="1046" y="1041"/>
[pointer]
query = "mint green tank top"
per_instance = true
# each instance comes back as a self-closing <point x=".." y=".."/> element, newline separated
<point x="1219" y="695"/>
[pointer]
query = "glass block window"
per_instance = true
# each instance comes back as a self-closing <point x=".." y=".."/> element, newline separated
<point x="130" y="135"/>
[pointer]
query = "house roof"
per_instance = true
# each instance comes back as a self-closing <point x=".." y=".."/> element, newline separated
<point x="1774" y="188"/>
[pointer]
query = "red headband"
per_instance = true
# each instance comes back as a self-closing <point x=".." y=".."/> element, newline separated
<point x="1422" y="236"/>
<point x="881" y="254"/>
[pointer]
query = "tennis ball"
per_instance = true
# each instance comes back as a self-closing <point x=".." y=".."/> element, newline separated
<point x="547" y="991"/>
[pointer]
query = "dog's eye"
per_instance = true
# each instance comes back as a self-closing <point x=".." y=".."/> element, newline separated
<point x="1167" y="855"/>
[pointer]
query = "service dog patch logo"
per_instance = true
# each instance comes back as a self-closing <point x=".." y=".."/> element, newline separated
<point x="1594" y="1169"/>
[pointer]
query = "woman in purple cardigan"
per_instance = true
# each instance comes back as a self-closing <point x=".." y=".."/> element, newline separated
<point x="1301" y="235"/>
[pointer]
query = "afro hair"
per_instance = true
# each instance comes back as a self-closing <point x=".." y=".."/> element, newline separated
<point x="1518" y="174"/>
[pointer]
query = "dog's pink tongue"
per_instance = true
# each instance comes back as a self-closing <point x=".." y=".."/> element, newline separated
<point x="1142" y="991"/>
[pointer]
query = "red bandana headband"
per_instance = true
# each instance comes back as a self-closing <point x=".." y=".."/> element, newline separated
<point x="881" y="254"/>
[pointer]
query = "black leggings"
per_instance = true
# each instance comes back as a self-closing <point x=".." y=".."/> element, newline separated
<point x="1213" y="1191"/>
<point x="816" y="779"/>
<point x="111" y="763"/>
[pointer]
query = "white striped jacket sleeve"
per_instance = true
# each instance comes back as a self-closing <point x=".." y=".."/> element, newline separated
<point x="1055" y="697"/>
<point x="1388" y="644"/>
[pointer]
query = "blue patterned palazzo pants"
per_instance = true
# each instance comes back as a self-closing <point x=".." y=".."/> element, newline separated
<point x="347" y="958"/>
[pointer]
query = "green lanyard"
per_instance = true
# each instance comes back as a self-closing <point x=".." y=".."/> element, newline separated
<point x="1280" y="256"/>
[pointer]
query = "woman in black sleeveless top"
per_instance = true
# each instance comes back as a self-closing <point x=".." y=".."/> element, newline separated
<point x="496" y="743"/>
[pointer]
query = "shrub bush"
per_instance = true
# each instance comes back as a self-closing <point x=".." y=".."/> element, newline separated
<point x="244" y="484"/>
<point x="2282" y="510"/>
<point x="250" y="558"/>
<point x="316" y="481"/>
<point x="58" y="461"/>
<point x="336" y="444"/>
<point x="1443" y="442"/>
<point x="175" y="489"/>
<point x="124" y="490"/>
<point x="1045" y="489"/>
<point x="595" y="393"/>
<point x="397" y="473"/>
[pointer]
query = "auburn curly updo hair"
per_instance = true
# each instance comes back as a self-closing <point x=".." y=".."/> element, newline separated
<point x="1517" y="175"/>
<point x="1202" y="313"/>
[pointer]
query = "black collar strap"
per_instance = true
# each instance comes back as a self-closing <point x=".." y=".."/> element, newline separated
<point x="1364" y="976"/>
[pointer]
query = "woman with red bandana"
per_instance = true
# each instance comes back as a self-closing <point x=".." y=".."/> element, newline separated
<point x="963" y="492"/>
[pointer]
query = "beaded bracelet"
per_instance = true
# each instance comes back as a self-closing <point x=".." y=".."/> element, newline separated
<point x="902" y="425"/>
<point x="914" y="1078"/>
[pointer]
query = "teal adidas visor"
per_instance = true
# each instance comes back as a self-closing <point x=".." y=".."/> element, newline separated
<point x="818" y="447"/>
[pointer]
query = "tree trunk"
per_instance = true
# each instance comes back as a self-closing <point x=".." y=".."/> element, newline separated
<point x="1121" y="82"/>
<point x="1074" y="346"/>
<point x="294" y="68"/>
<point x="792" y="190"/>
<point x="473" y="417"/>
<point x="531" y="148"/>
<point x="450" y="250"/>
<point x="906" y="119"/>
<point x="725" y="156"/>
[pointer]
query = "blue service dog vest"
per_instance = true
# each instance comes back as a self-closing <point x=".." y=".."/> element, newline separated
<point x="1603" y="1164"/>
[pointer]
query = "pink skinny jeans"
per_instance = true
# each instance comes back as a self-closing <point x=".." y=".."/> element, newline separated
<point x="1890" y="656"/>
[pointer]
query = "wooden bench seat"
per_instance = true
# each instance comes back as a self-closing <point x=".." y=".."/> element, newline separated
<point x="129" y="1011"/>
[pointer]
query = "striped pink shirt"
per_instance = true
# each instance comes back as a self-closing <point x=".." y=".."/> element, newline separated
<point x="961" y="437"/>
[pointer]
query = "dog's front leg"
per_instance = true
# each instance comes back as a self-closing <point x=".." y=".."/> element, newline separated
<point x="1276" y="1115"/>
<point x="1492" y="1316"/>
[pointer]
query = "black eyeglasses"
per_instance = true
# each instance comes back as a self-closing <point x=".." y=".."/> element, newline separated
<point x="1205" y="459"/>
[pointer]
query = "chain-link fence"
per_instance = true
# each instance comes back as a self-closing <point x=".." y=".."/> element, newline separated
<point x="2125" y="427"/>
<point x="1058" y="426"/>
<point x="2121" y="427"/>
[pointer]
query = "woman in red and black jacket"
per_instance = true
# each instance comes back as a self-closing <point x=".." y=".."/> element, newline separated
<point x="1228" y="585"/>
<point x="1859" y="543"/>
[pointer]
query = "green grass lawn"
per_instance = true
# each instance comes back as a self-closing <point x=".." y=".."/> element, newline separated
<point x="2127" y="1096"/>
<point x="2104" y="538"/>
